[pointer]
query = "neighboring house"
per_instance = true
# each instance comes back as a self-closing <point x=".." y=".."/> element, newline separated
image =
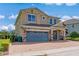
<point x="71" y="26"/>
<point x="36" y="26"/>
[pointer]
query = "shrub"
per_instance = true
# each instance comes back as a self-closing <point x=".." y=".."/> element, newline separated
<point x="74" y="39"/>
<point x="4" y="44"/>
<point x="19" y="38"/>
<point x="74" y="35"/>
<point x="68" y="37"/>
<point x="1" y="48"/>
<point x="5" y="47"/>
<point x="12" y="38"/>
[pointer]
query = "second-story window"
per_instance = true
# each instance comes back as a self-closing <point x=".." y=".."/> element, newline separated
<point x="31" y="17"/>
<point x="50" y="21"/>
<point x="55" y="21"/>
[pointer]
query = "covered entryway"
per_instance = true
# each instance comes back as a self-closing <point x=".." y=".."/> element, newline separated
<point x="58" y="31"/>
<point x="35" y="36"/>
<point x="55" y="35"/>
<point x="58" y="35"/>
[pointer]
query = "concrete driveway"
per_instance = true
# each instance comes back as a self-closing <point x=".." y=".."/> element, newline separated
<point x="67" y="51"/>
<point x="23" y="48"/>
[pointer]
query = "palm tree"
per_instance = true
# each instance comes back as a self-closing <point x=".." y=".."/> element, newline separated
<point x="12" y="35"/>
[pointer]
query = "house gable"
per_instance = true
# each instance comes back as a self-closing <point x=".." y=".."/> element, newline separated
<point x="24" y="13"/>
<point x="23" y="16"/>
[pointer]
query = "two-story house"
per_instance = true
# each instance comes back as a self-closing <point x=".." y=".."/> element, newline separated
<point x="36" y="26"/>
<point x="71" y="26"/>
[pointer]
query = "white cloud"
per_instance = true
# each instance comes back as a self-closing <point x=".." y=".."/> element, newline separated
<point x="7" y="27"/>
<point x="75" y="17"/>
<point x="2" y="16"/>
<point x="13" y="16"/>
<point x="46" y="12"/>
<point x="59" y="4"/>
<point x="32" y="4"/>
<point x="11" y="27"/>
<point x="48" y="3"/>
<point x="70" y="4"/>
<point x="64" y="18"/>
<point x="4" y="27"/>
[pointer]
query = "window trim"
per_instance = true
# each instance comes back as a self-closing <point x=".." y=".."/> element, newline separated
<point x="55" y="21"/>
<point x="44" y="18"/>
<point x="31" y="20"/>
<point x="50" y="20"/>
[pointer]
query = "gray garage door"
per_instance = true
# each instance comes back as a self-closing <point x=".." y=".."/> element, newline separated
<point x="37" y="36"/>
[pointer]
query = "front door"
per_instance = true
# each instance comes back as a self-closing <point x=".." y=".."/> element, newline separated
<point x="55" y="35"/>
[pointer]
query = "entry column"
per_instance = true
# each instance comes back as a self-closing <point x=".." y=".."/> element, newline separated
<point x="64" y="32"/>
<point x="51" y="35"/>
<point x="24" y="36"/>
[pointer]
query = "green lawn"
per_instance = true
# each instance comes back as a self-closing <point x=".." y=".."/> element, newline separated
<point x="74" y="39"/>
<point x="68" y="38"/>
<point x="7" y="41"/>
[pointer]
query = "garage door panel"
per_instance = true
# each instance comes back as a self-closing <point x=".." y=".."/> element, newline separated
<point x="37" y="36"/>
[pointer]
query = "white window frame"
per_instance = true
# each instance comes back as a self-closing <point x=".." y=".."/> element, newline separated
<point x="49" y="21"/>
<point x="44" y="18"/>
<point x="31" y="21"/>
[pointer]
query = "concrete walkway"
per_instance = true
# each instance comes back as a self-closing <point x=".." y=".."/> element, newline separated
<point x="67" y="51"/>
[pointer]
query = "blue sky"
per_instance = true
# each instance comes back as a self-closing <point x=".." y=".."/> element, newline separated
<point x="9" y="11"/>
